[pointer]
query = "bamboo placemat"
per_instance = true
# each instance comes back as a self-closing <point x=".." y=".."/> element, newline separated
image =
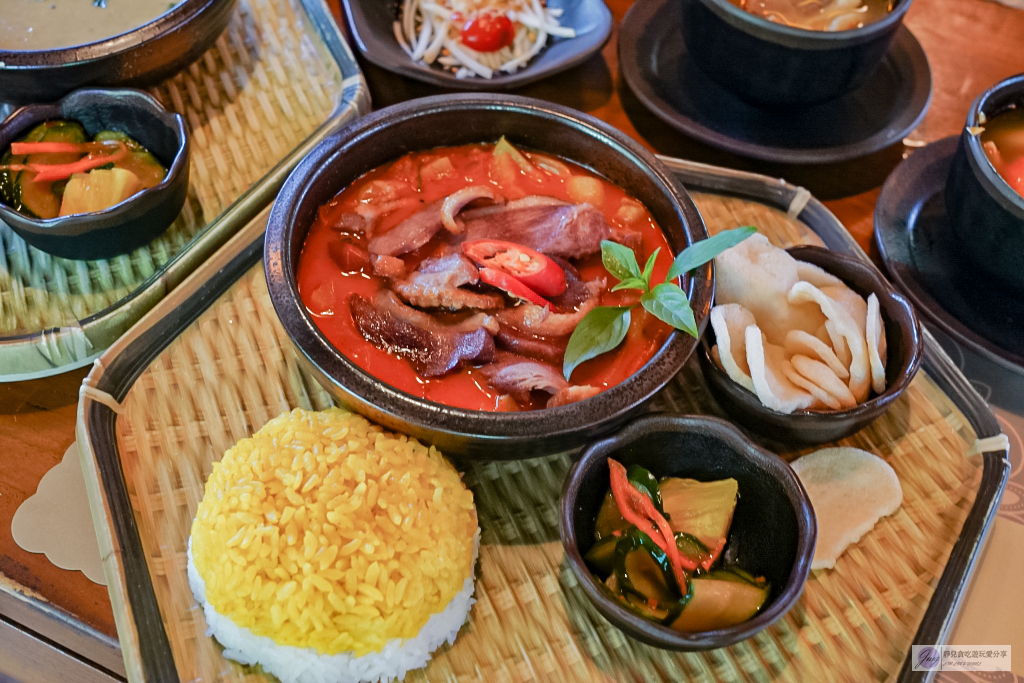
<point x="234" y="368"/>
<point x="265" y="86"/>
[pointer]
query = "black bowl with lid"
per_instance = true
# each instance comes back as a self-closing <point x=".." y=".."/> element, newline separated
<point x="450" y="120"/>
<point x="771" y="64"/>
<point x="984" y="212"/>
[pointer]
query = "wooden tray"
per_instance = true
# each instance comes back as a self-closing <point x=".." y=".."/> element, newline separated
<point x="276" y="81"/>
<point x="211" y="364"/>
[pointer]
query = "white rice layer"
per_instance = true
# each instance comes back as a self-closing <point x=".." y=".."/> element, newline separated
<point x="306" y="665"/>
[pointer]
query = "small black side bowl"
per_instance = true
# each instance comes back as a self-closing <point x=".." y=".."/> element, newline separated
<point x="773" y="531"/>
<point x="143" y="56"/>
<point x="805" y="427"/>
<point x="135" y="221"/>
<point x="985" y="213"/>
<point x="448" y="120"/>
<point x="775" y="65"/>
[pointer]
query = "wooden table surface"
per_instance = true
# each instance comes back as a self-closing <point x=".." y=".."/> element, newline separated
<point x="970" y="44"/>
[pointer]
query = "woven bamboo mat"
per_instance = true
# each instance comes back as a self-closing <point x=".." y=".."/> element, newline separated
<point x="258" y="93"/>
<point x="233" y="369"/>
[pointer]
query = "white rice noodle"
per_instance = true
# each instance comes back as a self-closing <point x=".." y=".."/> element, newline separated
<point x="423" y="41"/>
<point x="409" y="20"/>
<point x="306" y="665"/>
<point x="427" y="34"/>
<point x="552" y="28"/>
<point x="538" y="45"/>
<point x="401" y="39"/>
<point x="468" y="62"/>
<point x="441" y="27"/>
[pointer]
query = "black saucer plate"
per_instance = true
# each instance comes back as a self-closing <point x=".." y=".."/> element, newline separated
<point x="880" y="113"/>
<point x="923" y="259"/>
<point x="371" y="23"/>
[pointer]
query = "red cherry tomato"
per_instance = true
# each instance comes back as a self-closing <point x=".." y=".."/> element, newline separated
<point x="488" y="32"/>
<point x="535" y="270"/>
<point x="513" y="286"/>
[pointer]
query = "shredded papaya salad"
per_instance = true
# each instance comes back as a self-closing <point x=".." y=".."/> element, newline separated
<point x="477" y="37"/>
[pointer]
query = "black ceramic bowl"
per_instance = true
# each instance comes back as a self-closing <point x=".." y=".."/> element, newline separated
<point x="773" y="529"/>
<point x="455" y="120"/>
<point x="772" y="64"/>
<point x="985" y="213"/>
<point x="139" y="57"/>
<point x="804" y="427"/>
<point x="135" y="221"/>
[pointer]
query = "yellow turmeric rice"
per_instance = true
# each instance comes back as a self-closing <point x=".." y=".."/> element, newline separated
<point x="323" y="531"/>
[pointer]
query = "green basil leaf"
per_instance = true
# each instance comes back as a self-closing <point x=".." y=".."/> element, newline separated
<point x="649" y="268"/>
<point x="699" y="253"/>
<point x="668" y="303"/>
<point x="631" y="283"/>
<point x="600" y="331"/>
<point x="619" y="260"/>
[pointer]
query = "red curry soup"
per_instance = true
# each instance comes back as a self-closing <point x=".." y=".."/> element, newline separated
<point x="458" y="275"/>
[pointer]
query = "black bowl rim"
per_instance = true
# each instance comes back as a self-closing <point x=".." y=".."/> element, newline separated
<point x="125" y="96"/>
<point x="28" y="60"/>
<point x="994" y="184"/>
<point x="807" y="530"/>
<point x="870" y="406"/>
<point x="802" y="38"/>
<point x="507" y="428"/>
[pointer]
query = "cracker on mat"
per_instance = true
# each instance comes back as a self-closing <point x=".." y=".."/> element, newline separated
<point x="850" y="490"/>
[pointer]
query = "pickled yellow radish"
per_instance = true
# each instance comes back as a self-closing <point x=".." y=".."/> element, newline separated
<point x="98" y="190"/>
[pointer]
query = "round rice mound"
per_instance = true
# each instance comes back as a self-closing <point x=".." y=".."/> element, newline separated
<point x="326" y="549"/>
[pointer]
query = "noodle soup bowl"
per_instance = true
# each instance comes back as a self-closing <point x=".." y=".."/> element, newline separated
<point x="984" y="212"/>
<point x="452" y="120"/>
<point x="775" y="65"/>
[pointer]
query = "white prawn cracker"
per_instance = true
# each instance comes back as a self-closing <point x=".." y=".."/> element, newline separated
<point x="768" y="372"/>
<point x="822" y="399"/>
<point x="875" y="332"/>
<point x="823" y="376"/>
<point x="759" y="276"/>
<point x="798" y="341"/>
<point x="729" y="321"/>
<point x="850" y="490"/>
<point x="844" y="325"/>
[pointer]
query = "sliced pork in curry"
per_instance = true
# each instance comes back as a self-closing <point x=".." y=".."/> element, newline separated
<point x="459" y="275"/>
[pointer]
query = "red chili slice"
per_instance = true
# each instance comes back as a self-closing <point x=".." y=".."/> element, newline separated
<point x="514" y="287"/>
<point x="535" y="270"/>
<point x="62" y="171"/>
<point x="639" y="510"/>
<point x="22" y="148"/>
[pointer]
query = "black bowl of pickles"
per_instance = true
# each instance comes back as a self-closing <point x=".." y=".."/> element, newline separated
<point x="685" y="534"/>
<point x="98" y="174"/>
